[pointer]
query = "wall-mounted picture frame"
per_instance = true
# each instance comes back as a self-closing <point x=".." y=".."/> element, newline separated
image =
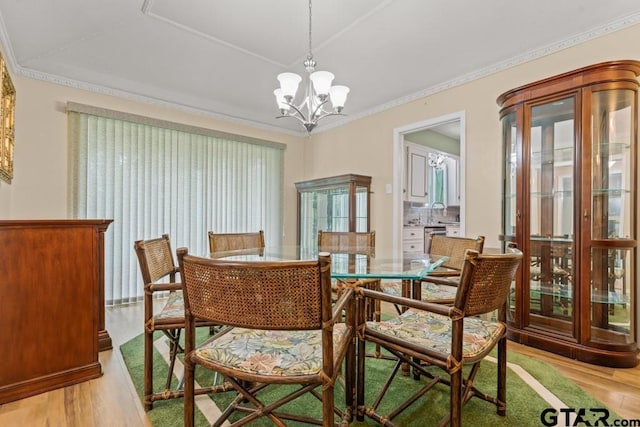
<point x="7" y="120"/>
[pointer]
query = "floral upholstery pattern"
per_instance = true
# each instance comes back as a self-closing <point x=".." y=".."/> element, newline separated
<point x="391" y="288"/>
<point x="173" y="309"/>
<point x="268" y="352"/>
<point x="433" y="292"/>
<point x="433" y="331"/>
<point x="430" y="291"/>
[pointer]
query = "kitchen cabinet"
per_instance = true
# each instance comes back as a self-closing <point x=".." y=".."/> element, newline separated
<point x="416" y="182"/>
<point x="338" y="203"/>
<point x="570" y="204"/>
<point x="453" y="231"/>
<point x="413" y="239"/>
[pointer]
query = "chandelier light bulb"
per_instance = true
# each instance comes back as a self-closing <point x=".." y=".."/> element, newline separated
<point x="282" y="103"/>
<point x="289" y="84"/>
<point x="321" y="82"/>
<point x="338" y="95"/>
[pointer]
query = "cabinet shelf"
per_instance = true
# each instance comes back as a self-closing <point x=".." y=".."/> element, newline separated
<point x="612" y="297"/>
<point x="552" y="193"/>
<point x="563" y="154"/>
<point x="615" y="148"/>
<point x="610" y="191"/>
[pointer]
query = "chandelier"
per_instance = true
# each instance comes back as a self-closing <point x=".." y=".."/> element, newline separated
<point x="437" y="160"/>
<point x="318" y="91"/>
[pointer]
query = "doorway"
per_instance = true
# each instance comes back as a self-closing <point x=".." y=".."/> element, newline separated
<point x="450" y="125"/>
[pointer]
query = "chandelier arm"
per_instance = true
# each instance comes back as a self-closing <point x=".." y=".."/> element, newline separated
<point x="293" y="116"/>
<point x="319" y="109"/>
<point x="329" y="114"/>
<point x="298" y="111"/>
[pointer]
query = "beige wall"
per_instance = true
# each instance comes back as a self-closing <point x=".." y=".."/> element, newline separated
<point x="364" y="146"/>
<point x="371" y="139"/>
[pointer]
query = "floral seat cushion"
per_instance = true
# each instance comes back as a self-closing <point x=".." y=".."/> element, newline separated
<point x="430" y="291"/>
<point x="433" y="292"/>
<point x="268" y="352"/>
<point x="173" y="309"/>
<point x="433" y="331"/>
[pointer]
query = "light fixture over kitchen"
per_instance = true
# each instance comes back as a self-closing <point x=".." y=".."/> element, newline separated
<point x="318" y="91"/>
<point x="436" y="160"/>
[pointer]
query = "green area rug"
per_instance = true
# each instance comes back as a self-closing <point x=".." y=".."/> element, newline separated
<point x="524" y="405"/>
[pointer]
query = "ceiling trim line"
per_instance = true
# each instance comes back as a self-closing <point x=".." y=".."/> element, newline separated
<point x="611" y="27"/>
<point x="146" y="9"/>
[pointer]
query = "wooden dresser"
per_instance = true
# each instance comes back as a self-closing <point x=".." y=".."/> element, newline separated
<point x="51" y="304"/>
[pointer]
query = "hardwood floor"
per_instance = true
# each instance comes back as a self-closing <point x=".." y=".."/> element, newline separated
<point x="619" y="389"/>
<point x="112" y="401"/>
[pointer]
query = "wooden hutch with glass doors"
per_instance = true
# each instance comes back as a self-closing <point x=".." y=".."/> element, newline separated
<point x="569" y="203"/>
<point x="337" y="203"/>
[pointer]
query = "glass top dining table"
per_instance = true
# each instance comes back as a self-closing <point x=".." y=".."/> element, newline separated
<point x="347" y="264"/>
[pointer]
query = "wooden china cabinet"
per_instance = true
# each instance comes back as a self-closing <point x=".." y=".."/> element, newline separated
<point x="569" y="202"/>
<point x="337" y="203"/>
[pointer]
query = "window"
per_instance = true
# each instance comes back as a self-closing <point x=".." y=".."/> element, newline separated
<point x="154" y="177"/>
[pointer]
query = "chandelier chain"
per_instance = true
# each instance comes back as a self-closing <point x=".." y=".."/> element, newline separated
<point x="310" y="54"/>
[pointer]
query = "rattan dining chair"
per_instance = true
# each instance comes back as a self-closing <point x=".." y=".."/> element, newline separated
<point x="351" y="244"/>
<point x="447" y="337"/>
<point x="158" y="270"/>
<point x="220" y="242"/>
<point x="441" y="284"/>
<point x="282" y="330"/>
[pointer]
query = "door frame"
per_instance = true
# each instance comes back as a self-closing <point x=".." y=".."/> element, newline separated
<point x="399" y="171"/>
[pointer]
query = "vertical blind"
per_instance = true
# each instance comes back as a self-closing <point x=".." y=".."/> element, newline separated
<point x="152" y="180"/>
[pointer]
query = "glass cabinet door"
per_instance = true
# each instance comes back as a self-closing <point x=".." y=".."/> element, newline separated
<point x="509" y="206"/>
<point x="362" y="208"/>
<point x="552" y="139"/>
<point x="339" y="203"/>
<point x="612" y="215"/>
<point x="326" y="209"/>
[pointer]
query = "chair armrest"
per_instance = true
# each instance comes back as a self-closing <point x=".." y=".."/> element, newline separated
<point x="442" y="309"/>
<point x="445" y="272"/>
<point x="339" y="306"/>
<point x="158" y="287"/>
<point x="441" y="281"/>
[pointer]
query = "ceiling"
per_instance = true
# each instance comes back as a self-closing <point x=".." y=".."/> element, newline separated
<point x="221" y="57"/>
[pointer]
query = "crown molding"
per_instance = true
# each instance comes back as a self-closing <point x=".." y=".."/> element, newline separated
<point x="549" y="49"/>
